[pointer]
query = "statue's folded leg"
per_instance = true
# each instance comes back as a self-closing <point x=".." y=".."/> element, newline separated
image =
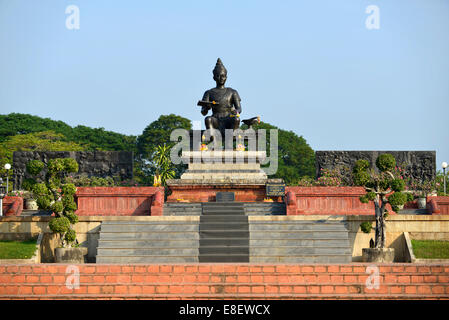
<point x="212" y="123"/>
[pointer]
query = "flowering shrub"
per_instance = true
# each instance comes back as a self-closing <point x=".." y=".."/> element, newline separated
<point x="16" y="193"/>
<point x="306" y="182"/>
<point x="85" y="181"/>
<point x="129" y="183"/>
<point x="329" y="178"/>
<point x="422" y="189"/>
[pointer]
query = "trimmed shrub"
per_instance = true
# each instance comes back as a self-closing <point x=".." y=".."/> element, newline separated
<point x="34" y="167"/>
<point x="59" y="225"/>
<point x="366" y="227"/>
<point x="386" y="162"/>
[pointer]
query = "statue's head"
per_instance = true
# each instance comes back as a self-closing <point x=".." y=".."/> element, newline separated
<point x="220" y="73"/>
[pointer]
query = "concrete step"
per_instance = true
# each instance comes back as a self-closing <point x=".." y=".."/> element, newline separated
<point x="206" y="226"/>
<point x="146" y="259"/>
<point x="223" y="218"/>
<point x="148" y="235"/>
<point x="224" y="250"/>
<point x="133" y="243"/>
<point x="294" y="227"/>
<point x="150" y="227"/>
<point x="229" y="258"/>
<point x="317" y="243"/>
<point x="279" y="235"/>
<point x="302" y="259"/>
<point x="161" y="251"/>
<point x="296" y="251"/>
<point x="223" y="242"/>
<point x="209" y="234"/>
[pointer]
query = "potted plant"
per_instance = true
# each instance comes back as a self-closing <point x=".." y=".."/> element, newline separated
<point x="422" y="189"/>
<point x="382" y="188"/>
<point x="56" y="196"/>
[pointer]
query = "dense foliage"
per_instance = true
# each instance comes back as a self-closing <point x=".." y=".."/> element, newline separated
<point x="15" y="124"/>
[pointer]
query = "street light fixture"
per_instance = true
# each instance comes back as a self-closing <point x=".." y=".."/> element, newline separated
<point x="2" y="195"/>
<point x="7" y="167"/>
<point x="444" y="165"/>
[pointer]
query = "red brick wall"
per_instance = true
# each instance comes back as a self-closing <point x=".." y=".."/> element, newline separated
<point x="127" y="201"/>
<point x="12" y="206"/>
<point x="328" y="200"/>
<point x="438" y="205"/>
<point x="218" y="281"/>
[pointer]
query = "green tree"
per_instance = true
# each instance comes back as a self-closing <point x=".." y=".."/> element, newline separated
<point x="381" y="188"/>
<point x="93" y="139"/>
<point x="157" y="134"/>
<point x="17" y="124"/>
<point x="296" y="157"/>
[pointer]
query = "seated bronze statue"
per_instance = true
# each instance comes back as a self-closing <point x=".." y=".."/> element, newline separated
<point x="224" y="102"/>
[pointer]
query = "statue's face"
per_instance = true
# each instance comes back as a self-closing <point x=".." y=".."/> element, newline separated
<point x="221" y="77"/>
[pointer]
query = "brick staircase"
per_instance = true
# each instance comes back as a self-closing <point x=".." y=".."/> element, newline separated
<point x="224" y="281"/>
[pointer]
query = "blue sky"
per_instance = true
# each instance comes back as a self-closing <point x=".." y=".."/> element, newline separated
<point x="307" y="66"/>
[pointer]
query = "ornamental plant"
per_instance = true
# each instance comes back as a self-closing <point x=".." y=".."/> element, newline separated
<point x="164" y="166"/>
<point x="56" y="195"/>
<point x="381" y="187"/>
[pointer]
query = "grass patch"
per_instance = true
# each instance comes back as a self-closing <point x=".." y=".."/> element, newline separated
<point x="17" y="249"/>
<point x="430" y="249"/>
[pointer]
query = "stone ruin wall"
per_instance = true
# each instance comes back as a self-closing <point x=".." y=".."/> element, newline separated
<point x="420" y="165"/>
<point x="91" y="163"/>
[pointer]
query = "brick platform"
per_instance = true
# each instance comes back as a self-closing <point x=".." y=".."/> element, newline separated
<point x="224" y="281"/>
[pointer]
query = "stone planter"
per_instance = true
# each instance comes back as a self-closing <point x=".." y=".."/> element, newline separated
<point x="31" y="204"/>
<point x="378" y="255"/>
<point x="422" y="202"/>
<point x="70" y="255"/>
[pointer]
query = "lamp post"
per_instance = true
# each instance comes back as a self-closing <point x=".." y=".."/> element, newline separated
<point x="444" y="165"/>
<point x="2" y="195"/>
<point x="7" y="167"/>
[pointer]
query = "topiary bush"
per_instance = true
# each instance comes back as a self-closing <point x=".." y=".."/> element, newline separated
<point x="57" y="196"/>
<point x="381" y="188"/>
<point x="366" y="227"/>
